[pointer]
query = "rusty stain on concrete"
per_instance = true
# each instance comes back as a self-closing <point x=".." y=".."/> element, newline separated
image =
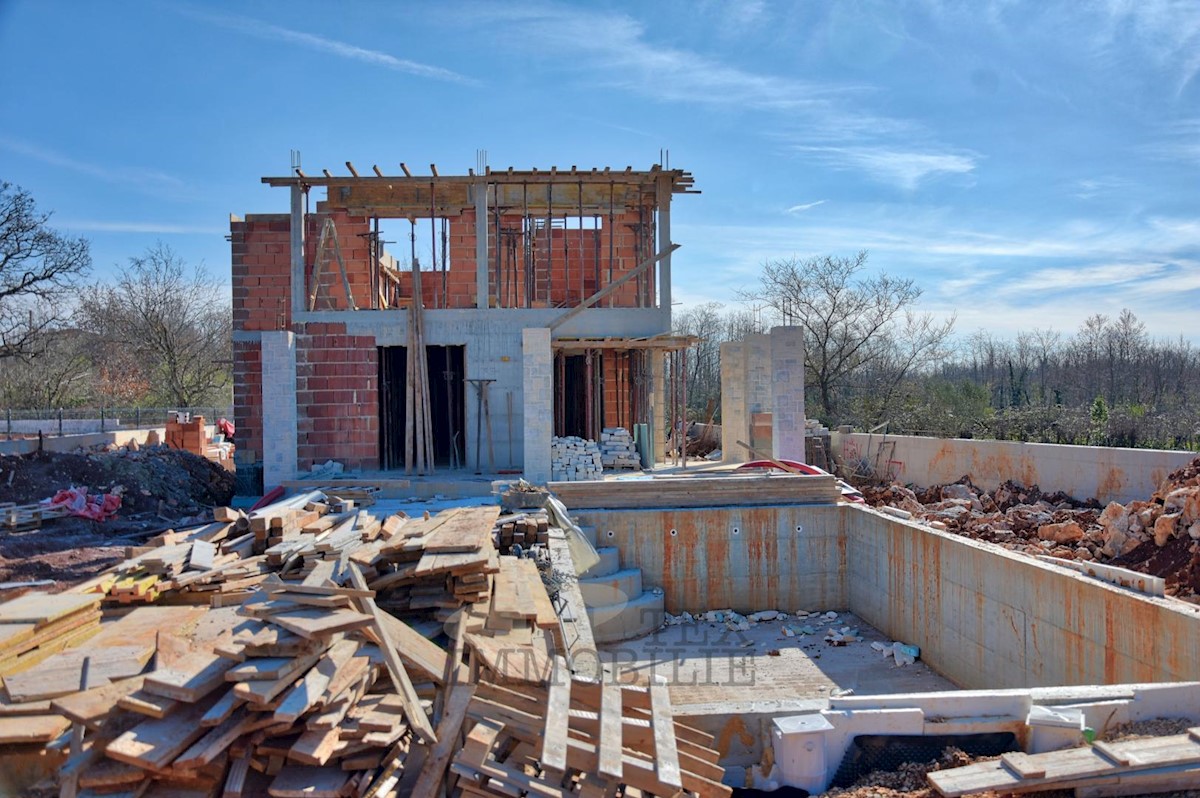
<point x="734" y="727"/>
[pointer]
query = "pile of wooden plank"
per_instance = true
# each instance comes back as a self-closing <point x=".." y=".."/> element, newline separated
<point x="300" y="677"/>
<point x="1124" y="767"/>
<point x="576" y="736"/>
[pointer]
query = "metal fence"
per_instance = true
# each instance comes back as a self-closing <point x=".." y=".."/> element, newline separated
<point x="82" y="420"/>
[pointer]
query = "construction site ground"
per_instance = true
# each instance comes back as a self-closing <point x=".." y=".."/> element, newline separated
<point x="706" y="663"/>
<point x="160" y="488"/>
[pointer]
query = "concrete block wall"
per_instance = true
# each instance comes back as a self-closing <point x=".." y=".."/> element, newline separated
<point x="279" y="457"/>
<point x="787" y="393"/>
<point x="336" y="392"/>
<point x="538" y="411"/>
<point x="735" y="424"/>
<point x="1106" y="473"/>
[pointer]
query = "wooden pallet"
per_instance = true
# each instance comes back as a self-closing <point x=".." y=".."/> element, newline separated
<point x="23" y="517"/>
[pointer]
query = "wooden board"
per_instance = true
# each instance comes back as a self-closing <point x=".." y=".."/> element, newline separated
<point x="32" y="729"/>
<point x="306" y="781"/>
<point x="558" y="707"/>
<point x="42" y="608"/>
<point x="313" y="623"/>
<point x="78" y="669"/>
<point x="470" y="529"/>
<point x="205" y="676"/>
<point x="154" y="744"/>
<point x="91" y="707"/>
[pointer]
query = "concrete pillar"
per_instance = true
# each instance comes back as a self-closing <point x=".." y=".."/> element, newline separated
<point x="481" y="243"/>
<point x="787" y="393"/>
<point x="280" y="427"/>
<point x="658" y="403"/>
<point x="299" y="299"/>
<point x="537" y="364"/>
<point x="734" y="425"/>
<point x="663" y="199"/>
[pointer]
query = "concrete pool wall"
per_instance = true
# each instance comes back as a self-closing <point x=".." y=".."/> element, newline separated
<point x="984" y="617"/>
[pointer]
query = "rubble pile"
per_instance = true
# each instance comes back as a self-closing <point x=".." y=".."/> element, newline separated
<point x="617" y="449"/>
<point x="573" y="459"/>
<point x="1159" y="536"/>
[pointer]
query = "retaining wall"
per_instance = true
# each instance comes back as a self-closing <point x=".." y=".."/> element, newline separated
<point x="984" y="617"/>
<point x="1105" y="473"/>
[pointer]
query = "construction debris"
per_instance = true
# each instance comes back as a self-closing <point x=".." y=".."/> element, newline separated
<point x="1159" y="536"/>
<point x="292" y="651"/>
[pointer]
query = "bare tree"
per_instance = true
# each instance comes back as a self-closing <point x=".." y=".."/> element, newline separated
<point x="39" y="270"/>
<point x="172" y="320"/>
<point x="55" y="372"/>
<point x="852" y="323"/>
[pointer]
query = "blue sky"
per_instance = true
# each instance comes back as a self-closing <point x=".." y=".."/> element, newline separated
<point x="1027" y="163"/>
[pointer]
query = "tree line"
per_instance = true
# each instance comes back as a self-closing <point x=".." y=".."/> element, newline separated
<point x="872" y="360"/>
<point x="157" y="335"/>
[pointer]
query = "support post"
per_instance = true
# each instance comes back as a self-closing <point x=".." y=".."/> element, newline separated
<point x="537" y="410"/>
<point x="481" y="242"/>
<point x="787" y="393"/>
<point x="280" y="430"/>
<point x="297" y="252"/>
<point x="658" y="402"/>
<point x="663" y="198"/>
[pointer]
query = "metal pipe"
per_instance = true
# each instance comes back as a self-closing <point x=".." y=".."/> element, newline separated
<point x="582" y="287"/>
<point x="588" y="398"/>
<point x="612" y="191"/>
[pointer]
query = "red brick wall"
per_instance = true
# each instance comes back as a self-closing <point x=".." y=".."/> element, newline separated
<point x="337" y="399"/>
<point x="247" y="400"/>
<point x="261" y="273"/>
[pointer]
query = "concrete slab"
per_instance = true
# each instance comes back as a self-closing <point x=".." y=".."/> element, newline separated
<point x="706" y="663"/>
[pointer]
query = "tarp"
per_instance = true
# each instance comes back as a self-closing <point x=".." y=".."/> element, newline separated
<point x="98" y="506"/>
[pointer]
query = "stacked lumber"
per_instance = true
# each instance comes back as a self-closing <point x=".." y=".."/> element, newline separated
<point x="698" y="491"/>
<point x="435" y="563"/>
<point x="37" y="626"/>
<point x="522" y="529"/>
<point x="1123" y="767"/>
<point x="580" y="736"/>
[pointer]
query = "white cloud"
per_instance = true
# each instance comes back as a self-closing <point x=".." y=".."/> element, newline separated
<point x="158" y="228"/>
<point x="352" y="52"/>
<point x="903" y="168"/>
<point x="806" y="206"/>
<point x="148" y="181"/>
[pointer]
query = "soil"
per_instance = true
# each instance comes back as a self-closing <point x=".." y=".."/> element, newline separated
<point x="160" y="488"/>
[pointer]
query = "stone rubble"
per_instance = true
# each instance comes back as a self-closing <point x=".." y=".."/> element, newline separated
<point x="1026" y="520"/>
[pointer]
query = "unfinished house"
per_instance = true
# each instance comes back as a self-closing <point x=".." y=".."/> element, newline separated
<point x="539" y="303"/>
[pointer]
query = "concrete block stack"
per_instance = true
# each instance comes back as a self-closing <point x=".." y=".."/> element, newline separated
<point x="617" y="449"/>
<point x="573" y="459"/>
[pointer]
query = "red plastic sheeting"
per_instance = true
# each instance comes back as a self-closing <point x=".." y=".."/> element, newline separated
<point x="97" y="506"/>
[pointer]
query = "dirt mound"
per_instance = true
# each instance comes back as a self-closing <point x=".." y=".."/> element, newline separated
<point x="1159" y="536"/>
<point x="159" y="488"/>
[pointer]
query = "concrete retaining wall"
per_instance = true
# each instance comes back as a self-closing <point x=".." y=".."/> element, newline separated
<point x="984" y="617"/>
<point x="741" y="558"/>
<point x="1108" y="474"/>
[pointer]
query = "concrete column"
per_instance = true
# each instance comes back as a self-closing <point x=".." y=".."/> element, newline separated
<point x="280" y="426"/>
<point x="481" y="243"/>
<point x="299" y="299"/>
<point x="537" y="364"/>
<point x="787" y="393"/>
<point x="663" y="198"/>
<point x="658" y="402"/>
<point x="734" y="424"/>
